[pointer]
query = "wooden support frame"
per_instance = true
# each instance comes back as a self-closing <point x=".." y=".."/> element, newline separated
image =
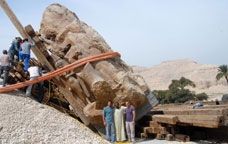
<point x="30" y="34"/>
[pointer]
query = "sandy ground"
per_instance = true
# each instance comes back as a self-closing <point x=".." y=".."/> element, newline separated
<point x="164" y="142"/>
<point x="25" y="121"/>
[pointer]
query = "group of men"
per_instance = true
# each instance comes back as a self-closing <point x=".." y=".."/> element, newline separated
<point x="19" y="51"/>
<point x="118" y="119"/>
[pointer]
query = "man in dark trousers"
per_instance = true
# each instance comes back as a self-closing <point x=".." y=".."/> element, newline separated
<point x="26" y="51"/>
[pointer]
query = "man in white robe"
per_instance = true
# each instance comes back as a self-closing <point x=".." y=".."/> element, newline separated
<point x="119" y="122"/>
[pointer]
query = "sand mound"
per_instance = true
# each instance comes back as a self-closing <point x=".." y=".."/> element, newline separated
<point x="23" y="120"/>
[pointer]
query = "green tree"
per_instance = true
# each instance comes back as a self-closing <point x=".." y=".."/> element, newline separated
<point x="181" y="84"/>
<point x="177" y="92"/>
<point x="222" y="72"/>
<point x="202" y="96"/>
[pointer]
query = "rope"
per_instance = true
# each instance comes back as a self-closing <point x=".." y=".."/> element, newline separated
<point x="60" y="71"/>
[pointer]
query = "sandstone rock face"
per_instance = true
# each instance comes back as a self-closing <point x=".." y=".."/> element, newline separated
<point x="71" y="40"/>
<point x="203" y="75"/>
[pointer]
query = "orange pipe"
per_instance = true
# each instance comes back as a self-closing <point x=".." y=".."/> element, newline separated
<point x="60" y="71"/>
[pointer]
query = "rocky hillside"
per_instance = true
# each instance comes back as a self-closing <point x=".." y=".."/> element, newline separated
<point x="24" y="121"/>
<point x="204" y="76"/>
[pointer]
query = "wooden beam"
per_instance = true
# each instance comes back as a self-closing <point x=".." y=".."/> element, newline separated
<point x="182" y="138"/>
<point x="208" y="121"/>
<point x="167" y="119"/>
<point x="208" y="111"/>
<point x="13" y="18"/>
<point x="23" y="33"/>
<point x="41" y="57"/>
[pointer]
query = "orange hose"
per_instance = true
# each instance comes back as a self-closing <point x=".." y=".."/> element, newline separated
<point x="60" y="71"/>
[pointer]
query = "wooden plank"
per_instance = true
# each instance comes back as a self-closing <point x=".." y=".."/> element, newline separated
<point x="160" y="136"/>
<point x="182" y="138"/>
<point x="143" y="135"/>
<point x="196" y="112"/>
<point x="208" y="121"/>
<point x="61" y="108"/>
<point x="154" y="124"/>
<point x="146" y="129"/>
<point x="13" y="18"/>
<point x="215" y="106"/>
<point x="169" y="137"/>
<point x="74" y="101"/>
<point x="63" y="84"/>
<point x="167" y="119"/>
<point x="155" y="130"/>
<point x="187" y="107"/>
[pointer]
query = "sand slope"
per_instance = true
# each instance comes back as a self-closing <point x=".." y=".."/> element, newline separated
<point x="23" y="120"/>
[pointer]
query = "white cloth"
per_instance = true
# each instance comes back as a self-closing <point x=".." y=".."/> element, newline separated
<point x="119" y="124"/>
<point x="34" y="71"/>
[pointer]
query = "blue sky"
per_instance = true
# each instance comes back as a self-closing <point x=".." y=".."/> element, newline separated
<point x="145" y="32"/>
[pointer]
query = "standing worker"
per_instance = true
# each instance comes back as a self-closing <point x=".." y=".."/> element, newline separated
<point x="5" y="66"/>
<point x="130" y="122"/>
<point x="14" y="49"/>
<point x="119" y="122"/>
<point x="108" y="119"/>
<point x="34" y="73"/>
<point x="26" y="50"/>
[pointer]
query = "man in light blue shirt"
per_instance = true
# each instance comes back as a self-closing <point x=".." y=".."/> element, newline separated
<point x="26" y="48"/>
<point x="108" y="119"/>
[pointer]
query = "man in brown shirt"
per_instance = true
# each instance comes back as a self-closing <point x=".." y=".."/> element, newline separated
<point x="5" y="66"/>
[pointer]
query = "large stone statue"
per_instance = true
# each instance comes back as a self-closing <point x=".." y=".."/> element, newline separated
<point x="69" y="39"/>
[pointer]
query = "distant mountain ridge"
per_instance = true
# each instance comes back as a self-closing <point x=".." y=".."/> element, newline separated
<point x="203" y="75"/>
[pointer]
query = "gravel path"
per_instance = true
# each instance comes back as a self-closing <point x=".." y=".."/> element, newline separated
<point x="24" y="121"/>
